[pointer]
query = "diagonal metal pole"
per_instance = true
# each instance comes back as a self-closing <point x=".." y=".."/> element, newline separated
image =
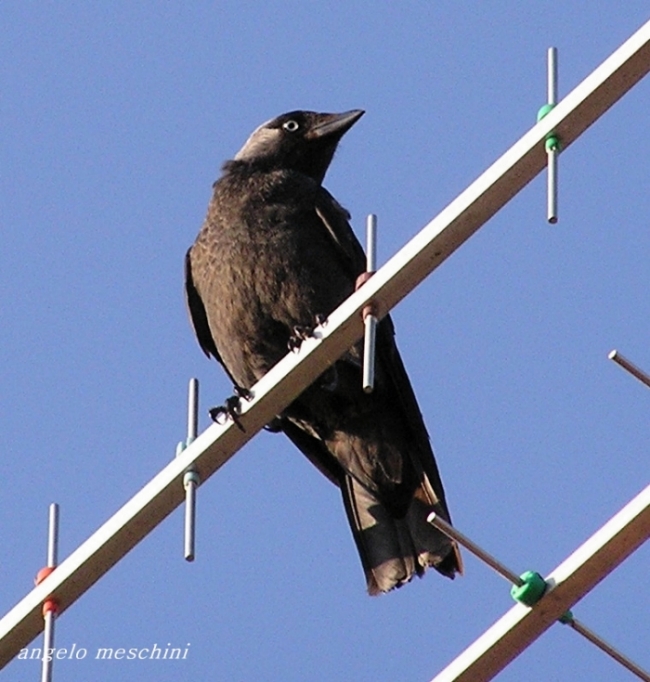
<point x="402" y="273"/>
<point x="567" y="618"/>
<point x="567" y="584"/>
<point x="608" y="649"/>
<point x="475" y="549"/>
<point x="623" y="362"/>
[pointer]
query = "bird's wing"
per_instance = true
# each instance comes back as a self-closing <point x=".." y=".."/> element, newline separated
<point x="198" y="315"/>
<point x="422" y="455"/>
<point x="315" y="450"/>
<point x="335" y="219"/>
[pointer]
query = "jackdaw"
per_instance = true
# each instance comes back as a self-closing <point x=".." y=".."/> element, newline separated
<point x="274" y="257"/>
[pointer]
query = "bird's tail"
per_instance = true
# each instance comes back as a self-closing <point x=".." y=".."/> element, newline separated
<point x="393" y="550"/>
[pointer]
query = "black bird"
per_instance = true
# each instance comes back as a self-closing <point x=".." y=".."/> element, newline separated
<point x="275" y="256"/>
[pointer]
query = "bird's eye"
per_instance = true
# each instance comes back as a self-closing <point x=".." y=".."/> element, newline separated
<point x="291" y="126"/>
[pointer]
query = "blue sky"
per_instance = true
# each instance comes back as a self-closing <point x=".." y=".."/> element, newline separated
<point x="116" y="118"/>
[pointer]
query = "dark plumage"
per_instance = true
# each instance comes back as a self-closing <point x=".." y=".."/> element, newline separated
<point x="275" y="251"/>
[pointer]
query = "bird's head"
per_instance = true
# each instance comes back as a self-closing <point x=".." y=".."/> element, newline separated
<point x="304" y="141"/>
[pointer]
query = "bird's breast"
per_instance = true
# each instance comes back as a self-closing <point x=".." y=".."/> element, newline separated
<point x="272" y="268"/>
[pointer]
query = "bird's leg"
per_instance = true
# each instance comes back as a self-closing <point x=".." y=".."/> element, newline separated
<point x="320" y="319"/>
<point x="242" y="392"/>
<point x="300" y="333"/>
<point x="231" y="408"/>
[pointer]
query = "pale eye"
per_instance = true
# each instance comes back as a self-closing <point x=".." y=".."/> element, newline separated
<point x="291" y="126"/>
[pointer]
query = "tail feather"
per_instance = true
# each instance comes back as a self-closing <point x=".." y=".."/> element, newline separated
<point x="393" y="550"/>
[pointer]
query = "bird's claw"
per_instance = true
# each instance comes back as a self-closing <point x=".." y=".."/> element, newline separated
<point x="231" y="409"/>
<point x="293" y="344"/>
<point x="301" y="333"/>
<point x="243" y="393"/>
<point x="298" y="336"/>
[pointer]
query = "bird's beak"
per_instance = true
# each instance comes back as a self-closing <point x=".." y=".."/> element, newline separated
<point x="335" y="124"/>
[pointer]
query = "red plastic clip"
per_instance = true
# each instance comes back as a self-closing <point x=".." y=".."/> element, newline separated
<point x="50" y="604"/>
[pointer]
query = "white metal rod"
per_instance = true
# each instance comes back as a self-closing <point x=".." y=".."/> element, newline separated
<point x="567" y="584"/>
<point x="192" y="410"/>
<point x="609" y="649"/>
<point x="552" y="184"/>
<point x="190" y="519"/>
<point x="53" y="535"/>
<point x="288" y="378"/>
<point x="631" y="368"/>
<point x="552" y="163"/>
<point x="48" y="647"/>
<point x="369" y="340"/>
<point x="552" y="75"/>
<point x="371" y="243"/>
<point x="370" y="320"/>
<point x="475" y="549"/>
<point x="49" y="616"/>
<point x="191" y="479"/>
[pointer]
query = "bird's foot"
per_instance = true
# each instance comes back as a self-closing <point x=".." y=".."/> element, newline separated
<point x="243" y="393"/>
<point x="301" y="333"/>
<point x="298" y="336"/>
<point x="320" y="319"/>
<point x="231" y="409"/>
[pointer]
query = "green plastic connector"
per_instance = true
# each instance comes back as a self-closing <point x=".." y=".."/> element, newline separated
<point x="191" y="476"/>
<point x="544" y="110"/>
<point x="531" y="591"/>
<point x="566" y="618"/>
<point x="552" y="140"/>
<point x="552" y="143"/>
